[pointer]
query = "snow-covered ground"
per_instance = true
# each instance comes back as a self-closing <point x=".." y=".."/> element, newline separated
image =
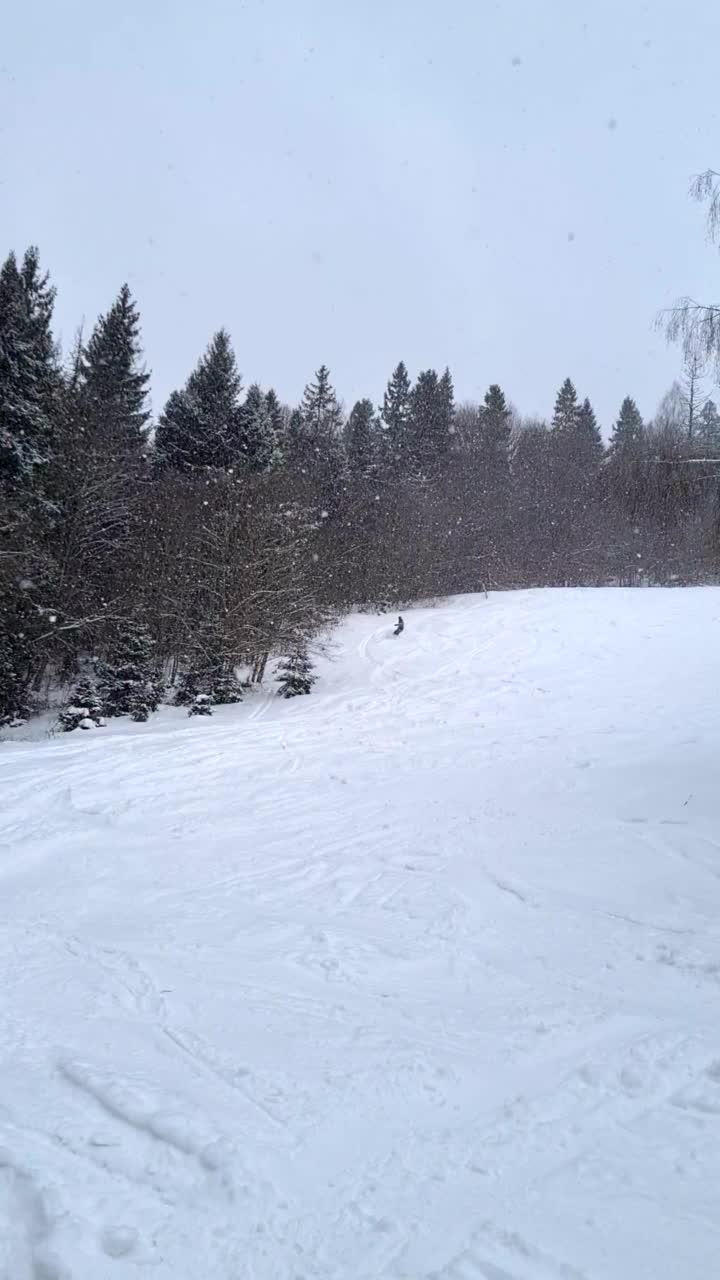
<point x="416" y="977"/>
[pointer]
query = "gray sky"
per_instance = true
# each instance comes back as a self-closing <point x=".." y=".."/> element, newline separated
<point x="497" y="187"/>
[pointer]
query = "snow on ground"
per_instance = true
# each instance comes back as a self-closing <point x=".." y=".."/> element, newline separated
<point x="416" y="977"/>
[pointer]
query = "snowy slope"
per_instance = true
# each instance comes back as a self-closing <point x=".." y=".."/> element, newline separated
<point x="416" y="977"/>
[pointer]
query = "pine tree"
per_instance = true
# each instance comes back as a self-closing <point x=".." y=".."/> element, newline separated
<point x="40" y="303"/>
<point x="226" y="688"/>
<point x="628" y="432"/>
<point x="577" y="444"/>
<point x="26" y="367"/>
<point x="494" y="435"/>
<point x="277" y="416"/>
<point x="201" y="705"/>
<point x="295" y="673"/>
<point x="256" y="436"/>
<point x="320" y="409"/>
<point x="431" y="420"/>
<point x="708" y="427"/>
<point x="114" y="383"/>
<point x="588" y="433"/>
<point x="625" y="465"/>
<point x="208" y="677"/>
<point x="29" y="384"/>
<point x="446" y="411"/>
<point x="129" y="683"/>
<point x="565" y="415"/>
<point x="295" y="428"/>
<point x="15" y="657"/>
<point x="396" y="414"/>
<point x="200" y="425"/>
<point x="316" y="440"/>
<point x="361" y="436"/>
<point x="84" y="710"/>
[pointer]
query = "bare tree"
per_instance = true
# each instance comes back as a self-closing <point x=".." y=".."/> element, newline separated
<point x="696" y="325"/>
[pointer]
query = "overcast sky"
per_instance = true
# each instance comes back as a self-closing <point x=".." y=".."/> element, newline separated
<point x="501" y="187"/>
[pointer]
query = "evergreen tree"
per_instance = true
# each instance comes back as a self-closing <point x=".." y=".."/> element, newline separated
<point x="29" y="384"/>
<point x="200" y="426"/>
<point x="129" y="683"/>
<point x="114" y="383"/>
<point x="26" y="369"/>
<point x="295" y="673"/>
<point x="257" y="440"/>
<point x="84" y="710"/>
<point x="320" y="409"/>
<point x="361" y="434"/>
<point x="317" y="440"/>
<point x="15" y="656"/>
<point x="277" y="416"/>
<point x="295" y="428"/>
<point x="494" y="435"/>
<point x="201" y="705"/>
<point x="628" y="432"/>
<point x="446" y="411"/>
<point x="396" y="414"/>
<point x="432" y="420"/>
<point x="565" y="415"/>
<point x="708" y="427"/>
<point x="208" y="677"/>
<point x="626" y="471"/>
<point x="40" y="302"/>
<point x="588" y="433"/>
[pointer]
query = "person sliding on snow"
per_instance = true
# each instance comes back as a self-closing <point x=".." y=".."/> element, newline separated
<point x="399" y="626"/>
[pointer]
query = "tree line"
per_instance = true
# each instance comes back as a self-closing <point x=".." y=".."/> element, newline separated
<point x="140" y="557"/>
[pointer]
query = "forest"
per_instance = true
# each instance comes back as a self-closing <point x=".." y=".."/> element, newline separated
<point x="147" y="560"/>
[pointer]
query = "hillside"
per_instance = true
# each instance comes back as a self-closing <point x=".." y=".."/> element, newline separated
<point x="416" y="977"/>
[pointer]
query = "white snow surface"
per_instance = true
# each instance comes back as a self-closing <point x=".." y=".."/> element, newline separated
<point x="416" y="977"/>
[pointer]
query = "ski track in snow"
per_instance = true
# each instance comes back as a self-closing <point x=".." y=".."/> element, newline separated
<point x="414" y="979"/>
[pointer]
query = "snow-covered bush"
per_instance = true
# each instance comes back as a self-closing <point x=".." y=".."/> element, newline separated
<point x="295" y="674"/>
<point x="201" y="705"/>
<point x="84" y="710"/>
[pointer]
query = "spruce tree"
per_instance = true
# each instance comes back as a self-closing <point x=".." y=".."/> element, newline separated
<point x="361" y="436"/>
<point x="565" y="415"/>
<point x="626" y="470"/>
<point x="113" y="381"/>
<point x="256" y="436"/>
<point x="295" y="428"/>
<point x="29" y="384"/>
<point x="588" y="433"/>
<point x="26" y="370"/>
<point x="396" y="413"/>
<point x="208" y="675"/>
<point x="628" y="432"/>
<point x="129" y="683"/>
<point x="277" y="416"/>
<point x="316" y="440"/>
<point x="200" y="425"/>
<point x="15" y="658"/>
<point x="320" y="409"/>
<point x="431" y="420"/>
<point x="708" y="427"/>
<point x="40" y="303"/>
<point x="446" y="410"/>
<point x="494" y="435"/>
<point x="84" y="710"/>
<point x="295" y="673"/>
